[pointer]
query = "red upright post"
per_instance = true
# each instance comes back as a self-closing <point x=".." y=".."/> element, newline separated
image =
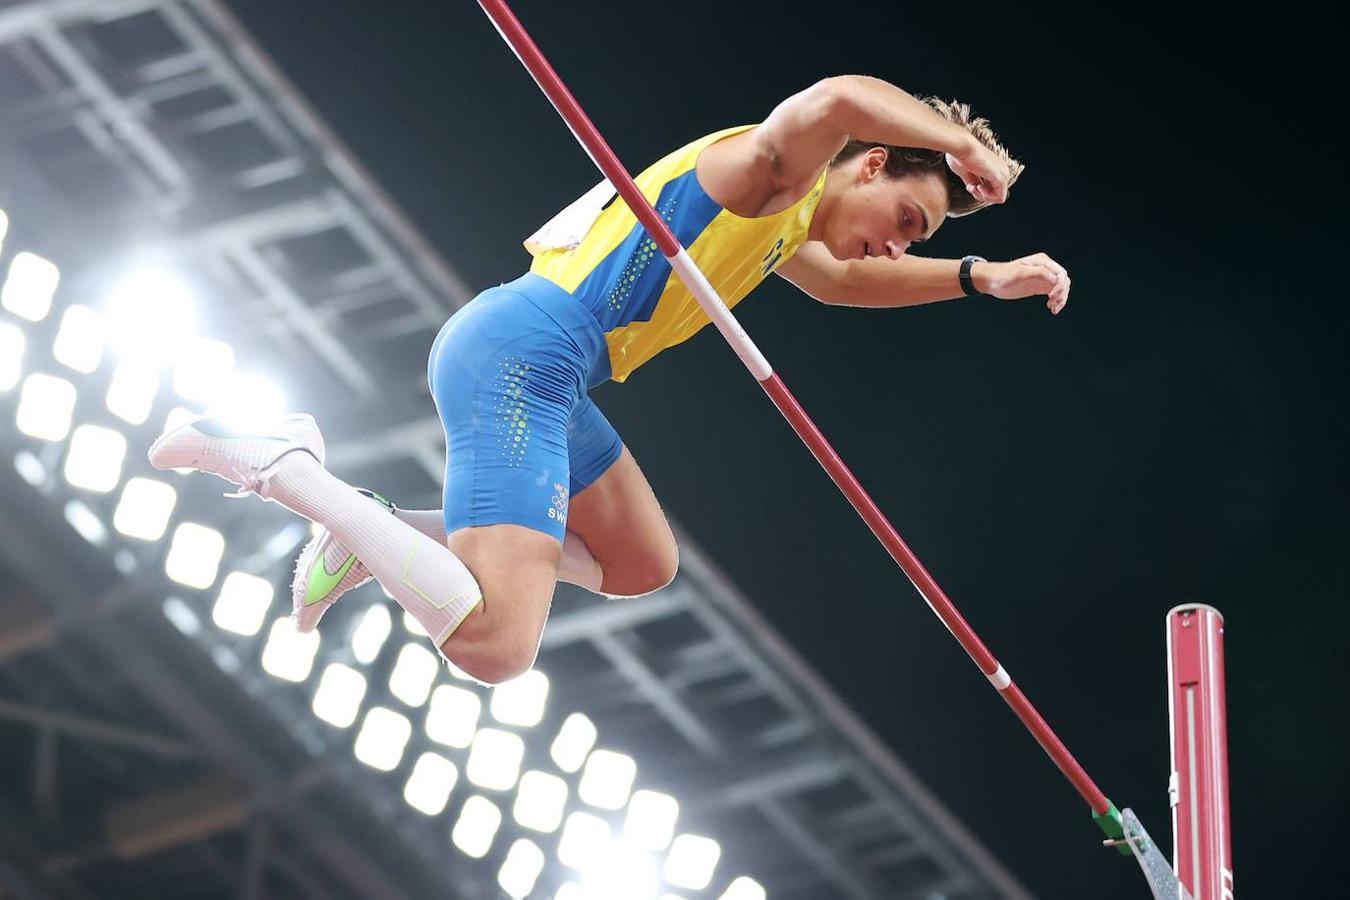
<point x="1202" y="841"/>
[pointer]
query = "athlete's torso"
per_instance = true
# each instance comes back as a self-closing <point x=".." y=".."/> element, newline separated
<point x="618" y="273"/>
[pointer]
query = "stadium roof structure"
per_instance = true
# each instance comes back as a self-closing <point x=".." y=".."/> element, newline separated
<point x="146" y="746"/>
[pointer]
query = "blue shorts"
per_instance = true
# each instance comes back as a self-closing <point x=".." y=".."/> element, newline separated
<point x="509" y="373"/>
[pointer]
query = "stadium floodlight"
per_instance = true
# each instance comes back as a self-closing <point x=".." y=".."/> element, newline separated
<point x="30" y="468"/>
<point x="11" y="356"/>
<point x="144" y="509"/>
<point x="371" y="633"/>
<point x="623" y="872"/>
<point x="151" y="312"/>
<point x="520" y="701"/>
<point x="249" y="401"/>
<point x="203" y="370"/>
<point x="744" y="888"/>
<point x="289" y="653"/>
<point x="194" y="555"/>
<point x="46" y="404"/>
<point x="574" y="741"/>
<point x="243" y="601"/>
<point x="650" y="821"/>
<point x="585" y="838"/>
<point x="79" y="342"/>
<point x="85" y="521"/>
<point x="341" y="690"/>
<point x="183" y="617"/>
<point x="494" y="759"/>
<point x="608" y="779"/>
<point x="691" y="861"/>
<point x="4" y="228"/>
<point x="132" y="390"/>
<point x="521" y="868"/>
<point x="384" y="734"/>
<point x="94" y="459"/>
<point x="453" y="717"/>
<point x="413" y="674"/>
<point x="29" y="288"/>
<point x="410" y="623"/>
<point x="476" y="826"/>
<point x="428" y="789"/>
<point x="539" y="801"/>
<point x="571" y="890"/>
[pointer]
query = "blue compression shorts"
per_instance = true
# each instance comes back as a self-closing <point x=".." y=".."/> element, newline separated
<point x="509" y="373"/>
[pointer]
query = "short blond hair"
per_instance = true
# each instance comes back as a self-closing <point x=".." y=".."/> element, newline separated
<point x="902" y="161"/>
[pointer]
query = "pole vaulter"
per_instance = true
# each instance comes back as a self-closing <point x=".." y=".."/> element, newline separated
<point x="1123" y="831"/>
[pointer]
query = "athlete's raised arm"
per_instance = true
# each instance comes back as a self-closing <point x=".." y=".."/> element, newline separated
<point x="911" y="280"/>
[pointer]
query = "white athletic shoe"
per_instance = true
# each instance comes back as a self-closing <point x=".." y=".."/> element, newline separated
<point x="325" y="571"/>
<point x="246" y="459"/>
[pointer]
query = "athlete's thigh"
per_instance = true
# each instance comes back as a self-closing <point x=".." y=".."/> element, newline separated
<point x="622" y="523"/>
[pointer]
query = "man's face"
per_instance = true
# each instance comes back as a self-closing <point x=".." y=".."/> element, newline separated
<point x="875" y="215"/>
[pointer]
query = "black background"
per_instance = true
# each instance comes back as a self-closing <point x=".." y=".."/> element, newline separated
<point x="1176" y="435"/>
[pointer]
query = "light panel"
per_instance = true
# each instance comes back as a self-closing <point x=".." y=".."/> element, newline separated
<point x="46" y="404"/>
<point x="521" y="700"/>
<point x="691" y="861"/>
<point x="476" y="826"/>
<point x="341" y="690"/>
<point x="371" y="633"/>
<point x="151" y="313"/>
<point x="623" y="872"/>
<point x="194" y="555"/>
<point x="132" y="390"/>
<point x="289" y="654"/>
<point x="85" y="521"/>
<point x="521" y="868"/>
<point x="79" y="342"/>
<point x="410" y="623"/>
<point x="650" y="820"/>
<point x="144" y="509"/>
<point x="453" y="717"/>
<point x="94" y="460"/>
<point x="428" y="789"/>
<point x="4" y="228"/>
<point x="413" y="673"/>
<point x="540" y="800"/>
<point x="29" y="286"/>
<point x="249" y="401"/>
<point x="494" y="759"/>
<point x="384" y="734"/>
<point x="203" y="370"/>
<point x="11" y="356"/>
<point x="573" y="743"/>
<point x="744" y="888"/>
<point x="242" y="603"/>
<point x="607" y="779"/>
<point x="585" y="838"/>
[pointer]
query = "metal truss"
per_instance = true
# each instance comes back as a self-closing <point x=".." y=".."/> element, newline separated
<point x="116" y="113"/>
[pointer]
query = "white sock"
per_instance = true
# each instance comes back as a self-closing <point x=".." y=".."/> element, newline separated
<point x="577" y="566"/>
<point x="421" y="574"/>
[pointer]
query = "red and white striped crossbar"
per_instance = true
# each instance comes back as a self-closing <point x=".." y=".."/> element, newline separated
<point x="1202" y="842"/>
<point x="519" y="40"/>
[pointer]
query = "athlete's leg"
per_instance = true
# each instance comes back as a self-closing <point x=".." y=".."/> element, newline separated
<point x="614" y="510"/>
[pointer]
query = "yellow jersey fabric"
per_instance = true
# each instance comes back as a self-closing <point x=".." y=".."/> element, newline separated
<point x="618" y="273"/>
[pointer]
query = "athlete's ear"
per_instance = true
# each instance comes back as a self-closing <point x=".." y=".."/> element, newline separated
<point x="872" y="164"/>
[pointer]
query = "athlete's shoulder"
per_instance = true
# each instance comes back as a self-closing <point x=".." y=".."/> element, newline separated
<point x="743" y="172"/>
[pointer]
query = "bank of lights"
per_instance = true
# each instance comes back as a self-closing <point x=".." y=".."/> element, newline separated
<point x="540" y="801"/>
<point x="691" y="861"/>
<point x="452" y="718"/>
<point x="573" y="743"/>
<point x="46" y="404"/>
<point x="413" y="674"/>
<point x="338" y="697"/>
<point x="94" y="458"/>
<point x="521" y="868"/>
<point x="650" y="820"/>
<point x="289" y="654"/>
<point x="607" y="779"/>
<point x="144" y="509"/>
<point x="80" y="340"/>
<point x="494" y="759"/>
<point x="521" y="700"/>
<point x="30" y="286"/>
<point x="371" y="633"/>
<point x="241" y="607"/>
<point x="384" y="733"/>
<point x="428" y="789"/>
<point x="476" y="826"/>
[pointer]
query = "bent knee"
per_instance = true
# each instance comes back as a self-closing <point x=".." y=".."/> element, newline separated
<point x="650" y="575"/>
<point x="495" y="660"/>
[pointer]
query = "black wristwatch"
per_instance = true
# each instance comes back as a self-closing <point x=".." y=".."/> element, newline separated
<point x="968" y="283"/>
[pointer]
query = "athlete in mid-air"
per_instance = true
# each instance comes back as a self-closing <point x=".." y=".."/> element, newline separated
<point x="829" y="192"/>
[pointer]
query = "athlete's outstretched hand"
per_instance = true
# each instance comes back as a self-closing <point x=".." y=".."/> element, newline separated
<point x="1030" y="276"/>
<point x="986" y="176"/>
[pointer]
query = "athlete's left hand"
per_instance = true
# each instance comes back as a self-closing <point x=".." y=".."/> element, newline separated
<point x="1030" y="276"/>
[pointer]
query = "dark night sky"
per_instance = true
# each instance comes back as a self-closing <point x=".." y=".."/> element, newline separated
<point x="1176" y="435"/>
